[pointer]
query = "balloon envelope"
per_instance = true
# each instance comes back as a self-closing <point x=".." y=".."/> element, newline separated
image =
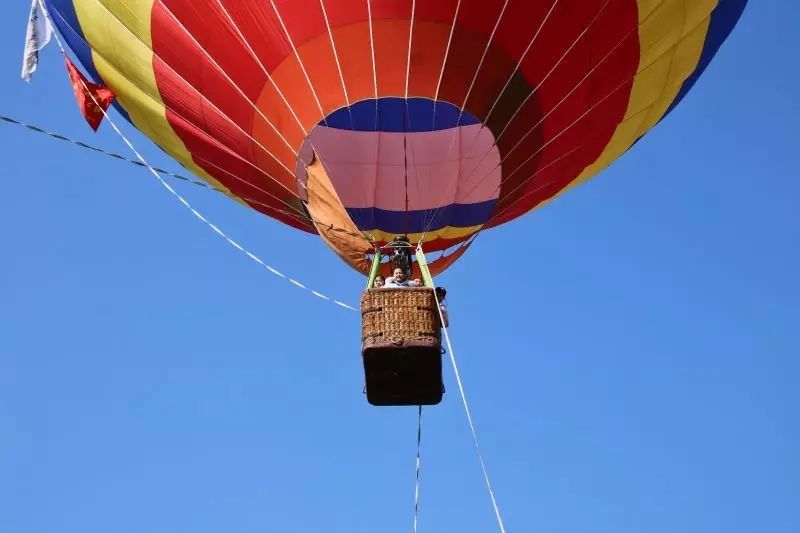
<point x="431" y="118"/>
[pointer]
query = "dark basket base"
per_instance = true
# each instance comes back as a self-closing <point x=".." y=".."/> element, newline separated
<point x="405" y="375"/>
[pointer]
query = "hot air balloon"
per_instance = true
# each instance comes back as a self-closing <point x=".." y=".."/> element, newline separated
<point x="360" y="120"/>
<point x="433" y="119"/>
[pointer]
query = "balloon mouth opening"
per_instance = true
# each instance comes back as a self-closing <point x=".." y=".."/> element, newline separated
<point x="411" y="167"/>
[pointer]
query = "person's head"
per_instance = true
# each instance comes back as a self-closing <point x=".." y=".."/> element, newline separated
<point x="399" y="274"/>
<point x="379" y="281"/>
<point x="441" y="293"/>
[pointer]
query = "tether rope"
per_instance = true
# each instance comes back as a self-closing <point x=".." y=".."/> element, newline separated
<point x="81" y="144"/>
<point x="182" y="200"/>
<point x="416" y="488"/>
<point x="469" y="418"/>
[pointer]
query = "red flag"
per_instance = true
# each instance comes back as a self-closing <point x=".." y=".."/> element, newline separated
<point x="93" y="99"/>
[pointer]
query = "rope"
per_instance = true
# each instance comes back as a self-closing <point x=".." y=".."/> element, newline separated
<point x="416" y="488"/>
<point x="187" y="204"/>
<point x="469" y="419"/>
<point x="176" y="176"/>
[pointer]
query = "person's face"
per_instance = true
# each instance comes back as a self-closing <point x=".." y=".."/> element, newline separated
<point x="378" y="282"/>
<point x="399" y="275"/>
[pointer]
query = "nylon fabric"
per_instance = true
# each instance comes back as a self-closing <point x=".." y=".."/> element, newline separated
<point x="234" y="90"/>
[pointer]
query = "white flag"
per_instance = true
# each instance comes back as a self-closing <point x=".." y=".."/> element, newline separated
<point x="39" y="33"/>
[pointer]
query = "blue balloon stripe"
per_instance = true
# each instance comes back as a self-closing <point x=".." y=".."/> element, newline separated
<point x="723" y="20"/>
<point x="63" y="15"/>
<point x="455" y="215"/>
<point x="399" y="115"/>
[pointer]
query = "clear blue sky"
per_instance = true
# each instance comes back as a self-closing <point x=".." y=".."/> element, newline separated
<point x="630" y="351"/>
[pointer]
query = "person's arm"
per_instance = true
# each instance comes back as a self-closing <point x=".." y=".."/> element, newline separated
<point x="445" y="316"/>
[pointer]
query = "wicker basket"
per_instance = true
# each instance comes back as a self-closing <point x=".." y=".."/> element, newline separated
<point x="399" y="316"/>
<point x="401" y="346"/>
